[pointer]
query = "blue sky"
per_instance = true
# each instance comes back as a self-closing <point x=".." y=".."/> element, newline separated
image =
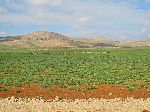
<point x="114" y="19"/>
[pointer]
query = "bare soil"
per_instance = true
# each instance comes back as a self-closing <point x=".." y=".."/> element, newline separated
<point x="105" y="98"/>
<point x="101" y="91"/>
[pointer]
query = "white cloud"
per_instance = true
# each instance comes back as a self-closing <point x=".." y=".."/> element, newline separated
<point x="86" y="20"/>
<point x="13" y="5"/>
<point x="45" y="18"/>
<point x="56" y="2"/>
<point x="43" y="3"/>
<point x="117" y="19"/>
<point x="3" y="34"/>
<point x="146" y="29"/>
<point x="3" y="10"/>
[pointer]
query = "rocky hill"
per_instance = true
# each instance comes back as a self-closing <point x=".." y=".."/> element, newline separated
<point x="54" y="40"/>
<point x="39" y="39"/>
<point x="145" y="43"/>
<point x="42" y="39"/>
<point x="97" y="42"/>
<point x="39" y="35"/>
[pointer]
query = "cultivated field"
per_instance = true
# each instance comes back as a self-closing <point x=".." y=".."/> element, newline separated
<point x="76" y="74"/>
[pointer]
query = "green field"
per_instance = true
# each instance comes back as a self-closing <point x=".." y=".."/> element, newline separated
<point x="64" y="67"/>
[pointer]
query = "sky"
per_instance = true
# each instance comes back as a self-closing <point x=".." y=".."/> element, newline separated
<point x="121" y="20"/>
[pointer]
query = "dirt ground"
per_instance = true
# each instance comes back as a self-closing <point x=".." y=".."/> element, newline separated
<point x="105" y="98"/>
<point x="90" y="105"/>
<point x="101" y="91"/>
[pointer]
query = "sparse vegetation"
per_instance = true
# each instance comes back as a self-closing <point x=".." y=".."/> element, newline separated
<point x="91" y="87"/>
<point x="18" y="91"/>
<point x="76" y="88"/>
<point x="130" y="88"/>
<point x="5" y="88"/>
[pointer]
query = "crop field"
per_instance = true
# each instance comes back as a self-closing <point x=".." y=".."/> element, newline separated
<point x="66" y="67"/>
<point x="75" y="80"/>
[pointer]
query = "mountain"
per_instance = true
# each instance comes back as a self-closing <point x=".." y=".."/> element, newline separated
<point x="8" y="38"/>
<point x="144" y="43"/>
<point x="39" y="39"/>
<point x="54" y="40"/>
<point x="97" y="42"/>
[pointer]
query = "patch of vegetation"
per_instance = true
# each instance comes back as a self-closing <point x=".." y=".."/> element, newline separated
<point x="5" y="88"/>
<point x="76" y="88"/>
<point x="91" y="87"/>
<point x="18" y="91"/>
<point x="74" y="67"/>
<point x="130" y="88"/>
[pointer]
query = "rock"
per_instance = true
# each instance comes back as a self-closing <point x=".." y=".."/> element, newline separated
<point x="57" y="98"/>
<point x="110" y="94"/>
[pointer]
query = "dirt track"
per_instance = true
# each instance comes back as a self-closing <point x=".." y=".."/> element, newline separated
<point x="90" y="105"/>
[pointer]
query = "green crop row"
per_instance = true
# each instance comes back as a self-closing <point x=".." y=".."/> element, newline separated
<point x="65" y="67"/>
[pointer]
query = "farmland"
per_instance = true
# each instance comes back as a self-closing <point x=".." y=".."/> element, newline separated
<point x="66" y="67"/>
<point x="94" y="79"/>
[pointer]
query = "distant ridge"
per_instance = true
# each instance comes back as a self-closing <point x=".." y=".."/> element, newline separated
<point x="142" y="43"/>
<point x="42" y="35"/>
<point x="40" y="39"/>
<point x="97" y="42"/>
<point x="54" y="40"/>
<point x="43" y="39"/>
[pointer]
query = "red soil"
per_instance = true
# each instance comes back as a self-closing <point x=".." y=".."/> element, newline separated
<point x="102" y="91"/>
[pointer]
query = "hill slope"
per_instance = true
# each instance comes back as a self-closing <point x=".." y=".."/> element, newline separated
<point x="42" y="39"/>
<point x="39" y="39"/>
<point x="145" y="43"/>
<point x="97" y="42"/>
<point x="54" y="40"/>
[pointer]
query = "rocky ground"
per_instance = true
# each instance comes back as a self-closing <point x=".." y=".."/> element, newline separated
<point x="91" y="105"/>
<point x="105" y="98"/>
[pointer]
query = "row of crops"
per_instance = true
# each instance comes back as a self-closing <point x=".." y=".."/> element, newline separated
<point x="66" y="67"/>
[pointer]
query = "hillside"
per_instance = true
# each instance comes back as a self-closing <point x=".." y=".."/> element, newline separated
<point x="145" y="43"/>
<point x="42" y="39"/>
<point x="53" y="40"/>
<point x="97" y="42"/>
<point x="39" y="39"/>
